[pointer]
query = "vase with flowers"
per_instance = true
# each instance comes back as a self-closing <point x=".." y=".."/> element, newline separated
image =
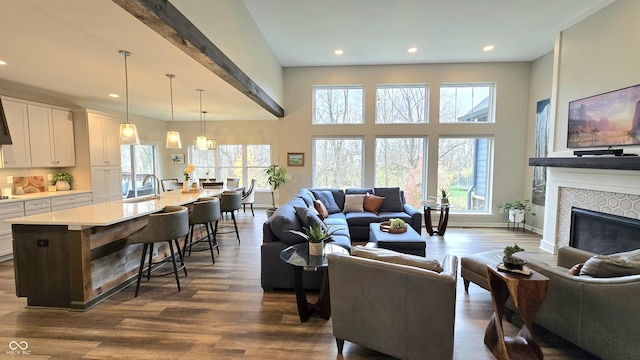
<point x="186" y="185"/>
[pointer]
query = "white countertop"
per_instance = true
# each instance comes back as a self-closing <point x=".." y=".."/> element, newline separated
<point x="110" y="213"/>
<point x="42" y="195"/>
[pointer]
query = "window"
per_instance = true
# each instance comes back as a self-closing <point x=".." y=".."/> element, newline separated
<point x="400" y="162"/>
<point x="230" y="162"/>
<point x="204" y="162"/>
<point x="245" y="162"/>
<point x="466" y="103"/>
<point x="338" y="105"/>
<point x="138" y="161"/>
<point x="403" y="104"/>
<point x="258" y="160"/>
<point x="464" y="168"/>
<point x="338" y="162"/>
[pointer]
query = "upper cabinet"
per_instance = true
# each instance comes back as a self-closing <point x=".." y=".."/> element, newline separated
<point x="17" y="155"/>
<point x="104" y="139"/>
<point x="51" y="129"/>
<point x="42" y="135"/>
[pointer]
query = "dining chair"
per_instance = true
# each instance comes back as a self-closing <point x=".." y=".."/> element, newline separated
<point x="248" y="197"/>
<point x="213" y="185"/>
<point x="169" y="184"/>
<point x="233" y="183"/>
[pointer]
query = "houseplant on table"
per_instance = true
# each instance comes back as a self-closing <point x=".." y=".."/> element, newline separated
<point x="516" y="210"/>
<point x="511" y="262"/>
<point x="186" y="185"/>
<point x="62" y="181"/>
<point x="276" y="177"/>
<point x="444" y="196"/>
<point x="316" y="235"/>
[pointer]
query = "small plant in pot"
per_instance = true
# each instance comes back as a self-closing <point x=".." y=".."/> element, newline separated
<point x="509" y="260"/>
<point x="316" y="235"/>
<point x="516" y="210"/>
<point x="62" y="181"/>
<point x="444" y="196"/>
<point x="276" y="177"/>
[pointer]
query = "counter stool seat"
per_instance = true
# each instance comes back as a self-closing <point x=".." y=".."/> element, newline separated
<point x="230" y="202"/>
<point x="168" y="225"/>
<point x="206" y="211"/>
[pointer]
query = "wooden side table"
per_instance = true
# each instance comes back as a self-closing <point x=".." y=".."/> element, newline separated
<point x="442" y="222"/>
<point x="527" y="292"/>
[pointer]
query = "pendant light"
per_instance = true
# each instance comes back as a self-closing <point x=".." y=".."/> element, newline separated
<point x="211" y="143"/>
<point x="128" y="131"/>
<point x="173" y="137"/>
<point x="201" y="141"/>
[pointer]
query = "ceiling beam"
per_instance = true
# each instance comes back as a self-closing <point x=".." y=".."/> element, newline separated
<point x="170" y="23"/>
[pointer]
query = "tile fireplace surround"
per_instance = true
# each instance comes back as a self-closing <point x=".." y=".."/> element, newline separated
<point x="609" y="191"/>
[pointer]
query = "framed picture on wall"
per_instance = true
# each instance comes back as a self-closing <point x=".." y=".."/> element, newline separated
<point x="177" y="158"/>
<point x="295" y="159"/>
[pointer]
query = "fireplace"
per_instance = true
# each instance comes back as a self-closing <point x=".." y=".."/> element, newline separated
<point x="603" y="233"/>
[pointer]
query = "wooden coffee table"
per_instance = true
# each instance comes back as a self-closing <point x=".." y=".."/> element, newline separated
<point x="528" y="293"/>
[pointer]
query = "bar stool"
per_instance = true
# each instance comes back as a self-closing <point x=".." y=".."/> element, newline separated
<point x="230" y="202"/>
<point x="205" y="212"/>
<point x="167" y="225"/>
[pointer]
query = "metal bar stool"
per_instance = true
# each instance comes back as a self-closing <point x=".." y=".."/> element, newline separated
<point x="230" y="202"/>
<point x="206" y="211"/>
<point x="168" y="225"/>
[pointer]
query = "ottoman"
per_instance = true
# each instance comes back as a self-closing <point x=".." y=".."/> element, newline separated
<point x="473" y="268"/>
<point x="409" y="242"/>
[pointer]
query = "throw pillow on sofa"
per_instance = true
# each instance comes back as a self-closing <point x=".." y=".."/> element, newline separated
<point x="614" y="265"/>
<point x="321" y="209"/>
<point x="392" y="199"/>
<point x="353" y="203"/>
<point x="283" y="220"/>
<point x="372" y="203"/>
<point x="394" y="257"/>
<point x="308" y="217"/>
<point x="328" y="200"/>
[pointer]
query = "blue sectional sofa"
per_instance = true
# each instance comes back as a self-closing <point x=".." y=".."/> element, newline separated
<point x="353" y="226"/>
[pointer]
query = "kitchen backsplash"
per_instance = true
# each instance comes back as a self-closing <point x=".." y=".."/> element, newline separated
<point x="28" y="184"/>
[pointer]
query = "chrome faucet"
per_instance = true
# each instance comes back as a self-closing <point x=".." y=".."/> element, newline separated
<point x="159" y="188"/>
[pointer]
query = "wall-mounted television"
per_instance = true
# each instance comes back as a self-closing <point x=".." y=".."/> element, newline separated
<point x="609" y="119"/>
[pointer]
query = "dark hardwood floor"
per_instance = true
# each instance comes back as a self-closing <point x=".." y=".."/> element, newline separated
<point x="222" y="312"/>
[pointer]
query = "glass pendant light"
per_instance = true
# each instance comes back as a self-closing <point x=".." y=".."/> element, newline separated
<point x="201" y="141"/>
<point x="173" y="137"/>
<point x="128" y="131"/>
<point x="211" y="143"/>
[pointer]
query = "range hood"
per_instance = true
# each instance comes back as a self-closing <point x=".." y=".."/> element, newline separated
<point x="5" y="137"/>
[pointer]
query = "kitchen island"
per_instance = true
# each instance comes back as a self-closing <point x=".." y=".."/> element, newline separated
<point x="78" y="257"/>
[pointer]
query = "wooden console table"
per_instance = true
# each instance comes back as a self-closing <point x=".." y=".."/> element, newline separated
<point x="527" y="292"/>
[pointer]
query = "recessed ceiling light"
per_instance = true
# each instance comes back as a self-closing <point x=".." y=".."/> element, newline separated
<point x="487" y="48"/>
<point x="338" y="52"/>
<point x="412" y="50"/>
<point x="2" y="62"/>
<point x="114" y="95"/>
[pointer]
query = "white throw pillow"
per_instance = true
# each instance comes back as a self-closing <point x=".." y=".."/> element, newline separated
<point x="354" y="203"/>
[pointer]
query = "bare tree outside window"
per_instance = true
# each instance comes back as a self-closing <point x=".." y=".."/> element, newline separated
<point x="401" y="104"/>
<point x="338" y="105"/>
<point x="466" y="103"/>
<point x="258" y="160"/>
<point x="230" y="162"/>
<point x="338" y="162"/>
<point x="400" y="162"/>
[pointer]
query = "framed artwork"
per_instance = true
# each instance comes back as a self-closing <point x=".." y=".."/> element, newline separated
<point x="543" y="116"/>
<point x="177" y="158"/>
<point x="295" y="159"/>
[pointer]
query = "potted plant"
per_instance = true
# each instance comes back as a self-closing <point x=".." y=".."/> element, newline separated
<point x="62" y="181"/>
<point x="315" y="235"/>
<point x="516" y="210"/>
<point x="512" y="262"/>
<point x="276" y="177"/>
<point x="444" y="196"/>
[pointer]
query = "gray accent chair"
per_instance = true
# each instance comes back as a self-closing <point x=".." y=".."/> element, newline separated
<point x="402" y="311"/>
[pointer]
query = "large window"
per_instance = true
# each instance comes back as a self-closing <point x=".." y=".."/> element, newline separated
<point x="464" y="168"/>
<point x="136" y="162"/>
<point x="338" y="105"/>
<point x="401" y="104"/>
<point x="466" y="103"/>
<point x="400" y="162"/>
<point x="245" y="162"/>
<point x="338" y="162"/>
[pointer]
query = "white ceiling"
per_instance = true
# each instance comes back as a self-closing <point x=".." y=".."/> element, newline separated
<point x="71" y="46"/>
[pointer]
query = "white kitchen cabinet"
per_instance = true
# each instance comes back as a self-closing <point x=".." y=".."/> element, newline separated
<point x="71" y="201"/>
<point x="51" y="129"/>
<point x="7" y="211"/>
<point x="37" y="206"/>
<point x="106" y="183"/>
<point x="17" y="155"/>
<point x="104" y="139"/>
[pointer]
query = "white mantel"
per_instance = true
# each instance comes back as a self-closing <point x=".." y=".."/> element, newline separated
<point x="618" y="185"/>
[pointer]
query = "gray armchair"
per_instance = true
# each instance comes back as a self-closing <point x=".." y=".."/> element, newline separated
<point x="402" y="311"/>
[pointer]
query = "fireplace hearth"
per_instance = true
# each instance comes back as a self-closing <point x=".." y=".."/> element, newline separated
<point x="603" y="233"/>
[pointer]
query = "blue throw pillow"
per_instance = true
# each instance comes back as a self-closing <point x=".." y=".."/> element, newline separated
<point x="308" y="217"/>
<point x="392" y="199"/>
<point x="328" y="200"/>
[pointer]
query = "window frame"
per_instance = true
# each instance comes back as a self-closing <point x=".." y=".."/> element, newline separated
<point x="315" y="88"/>
<point x="315" y="159"/>
<point x="491" y="118"/>
<point x="425" y="100"/>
